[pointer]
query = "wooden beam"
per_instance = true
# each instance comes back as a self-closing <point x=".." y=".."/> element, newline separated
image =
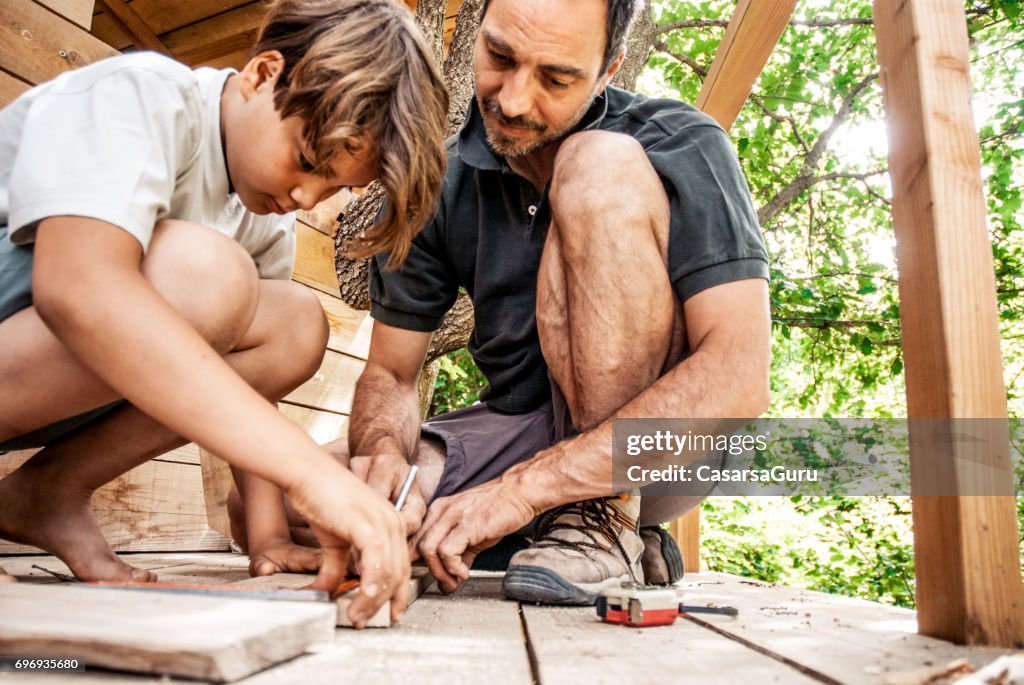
<point x="314" y="259"/>
<point x="10" y="88"/>
<point x="751" y="36"/>
<point x="138" y="30"/>
<point x="36" y="45"/>
<point x="686" y="532"/>
<point x="966" y="547"/>
<point x="78" y="11"/>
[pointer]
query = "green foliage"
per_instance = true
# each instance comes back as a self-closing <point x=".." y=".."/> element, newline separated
<point x="857" y="546"/>
<point x="458" y="383"/>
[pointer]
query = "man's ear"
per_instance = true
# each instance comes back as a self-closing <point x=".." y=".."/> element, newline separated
<point x="612" y="68"/>
<point x="265" y="68"/>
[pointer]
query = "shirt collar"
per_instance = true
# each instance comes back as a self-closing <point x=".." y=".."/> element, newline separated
<point x="474" y="150"/>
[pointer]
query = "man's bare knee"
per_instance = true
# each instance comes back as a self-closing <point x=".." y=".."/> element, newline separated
<point x="207" y="277"/>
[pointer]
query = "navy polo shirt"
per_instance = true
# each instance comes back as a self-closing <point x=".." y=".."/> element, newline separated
<point x="488" y="235"/>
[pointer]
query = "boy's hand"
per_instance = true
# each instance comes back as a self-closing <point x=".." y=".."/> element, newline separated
<point x="343" y="511"/>
<point x="386" y="474"/>
<point x="283" y="557"/>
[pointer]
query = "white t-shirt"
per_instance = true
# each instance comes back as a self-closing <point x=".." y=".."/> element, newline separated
<point x="130" y="140"/>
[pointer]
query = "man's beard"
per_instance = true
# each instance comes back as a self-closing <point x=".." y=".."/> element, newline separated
<point x="512" y="147"/>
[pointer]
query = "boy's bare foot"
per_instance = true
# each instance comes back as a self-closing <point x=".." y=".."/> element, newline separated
<point x="34" y="511"/>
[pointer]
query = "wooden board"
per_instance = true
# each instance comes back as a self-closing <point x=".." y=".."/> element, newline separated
<point x="749" y="39"/>
<point x="350" y="328"/>
<point x="314" y="259"/>
<point x="10" y="88"/>
<point x="77" y="11"/>
<point x="966" y="548"/>
<point x="473" y="636"/>
<point x="33" y="38"/>
<point x="842" y="639"/>
<point x="333" y="386"/>
<point x="206" y="43"/>
<point x="162" y="17"/>
<point x="418" y="584"/>
<point x="183" y="635"/>
<point x="686" y="532"/>
<point x="157" y="506"/>
<point x="572" y="645"/>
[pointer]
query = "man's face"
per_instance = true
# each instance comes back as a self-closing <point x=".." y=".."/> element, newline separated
<point x="537" y="69"/>
<point x="268" y="159"/>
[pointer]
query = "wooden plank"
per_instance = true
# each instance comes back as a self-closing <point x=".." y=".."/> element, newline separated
<point x="841" y="639"/>
<point x="333" y="386"/>
<point x="572" y="645"/>
<point x="751" y="36"/>
<point x="10" y="88"/>
<point x="134" y="26"/>
<point x="350" y="328"/>
<point x="314" y="259"/>
<point x="418" y="584"/>
<point x="966" y="548"/>
<point x="686" y="532"/>
<point x="472" y="636"/>
<point x="157" y="506"/>
<point x="77" y="11"/>
<point x="186" y="454"/>
<point x="28" y="568"/>
<point x="33" y="40"/>
<point x="206" y="42"/>
<point x="163" y="17"/>
<point x="324" y="217"/>
<point x="209" y="638"/>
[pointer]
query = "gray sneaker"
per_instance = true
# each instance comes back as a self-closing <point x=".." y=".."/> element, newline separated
<point x="578" y="550"/>
<point x="662" y="562"/>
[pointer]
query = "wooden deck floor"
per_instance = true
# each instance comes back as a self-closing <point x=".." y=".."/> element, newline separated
<point x="781" y="635"/>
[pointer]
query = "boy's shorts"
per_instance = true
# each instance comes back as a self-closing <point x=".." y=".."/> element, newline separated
<point x="482" y="443"/>
<point x="15" y="295"/>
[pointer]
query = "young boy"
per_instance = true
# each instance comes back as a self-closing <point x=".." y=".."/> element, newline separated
<point x="145" y="244"/>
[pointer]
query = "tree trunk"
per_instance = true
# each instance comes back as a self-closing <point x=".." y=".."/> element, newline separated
<point x="458" y="72"/>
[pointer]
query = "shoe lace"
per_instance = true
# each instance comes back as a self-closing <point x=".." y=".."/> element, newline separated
<point x="598" y="517"/>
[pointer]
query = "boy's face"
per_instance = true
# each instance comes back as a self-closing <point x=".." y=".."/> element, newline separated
<point x="268" y="159"/>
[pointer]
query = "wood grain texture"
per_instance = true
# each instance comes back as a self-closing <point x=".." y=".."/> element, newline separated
<point x="966" y="548"/>
<point x="163" y="17"/>
<point x="194" y="637"/>
<point x="211" y="41"/>
<point x="77" y="11"/>
<point x="32" y="39"/>
<point x="350" y="328"/>
<point x="314" y="259"/>
<point x="686" y="532"/>
<point x="134" y="26"/>
<point x="419" y="583"/>
<point x="572" y="645"/>
<point x="843" y="639"/>
<point x="333" y="386"/>
<point x="10" y="88"/>
<point x="157" y="506"/>
<point x="749" y="39"/>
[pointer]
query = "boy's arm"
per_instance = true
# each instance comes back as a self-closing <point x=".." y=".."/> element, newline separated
<point x="89" y="290"/>
<point x="385" y="423"/>
<point x="268" y="537"/>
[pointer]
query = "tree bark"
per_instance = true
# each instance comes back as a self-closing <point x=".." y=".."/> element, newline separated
<point x="638" y="49"/>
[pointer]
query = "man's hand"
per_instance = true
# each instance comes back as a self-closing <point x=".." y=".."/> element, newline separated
<point x="386" y="474"/>
<point x="282" y="556"/>
<point x="459" y="527"/>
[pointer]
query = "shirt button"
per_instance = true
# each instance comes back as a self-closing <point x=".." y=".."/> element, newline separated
<point x="532" y="209"/>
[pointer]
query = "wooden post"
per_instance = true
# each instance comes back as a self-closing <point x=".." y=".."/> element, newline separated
<point x="752" y="34"/>
<point x="966" y="547"/>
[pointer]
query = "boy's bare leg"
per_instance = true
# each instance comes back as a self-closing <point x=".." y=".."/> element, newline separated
<point x="278" y="342"/>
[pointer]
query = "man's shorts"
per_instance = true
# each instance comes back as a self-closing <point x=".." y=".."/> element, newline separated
<point x="15" y="295"/>
<point x="482" y="443"/>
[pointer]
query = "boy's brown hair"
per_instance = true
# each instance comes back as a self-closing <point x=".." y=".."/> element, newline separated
<point x="359" y="72"/>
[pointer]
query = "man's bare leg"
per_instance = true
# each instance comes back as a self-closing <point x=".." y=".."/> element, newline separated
<point x="608" y="318"/>
<point x="46" y="501"/>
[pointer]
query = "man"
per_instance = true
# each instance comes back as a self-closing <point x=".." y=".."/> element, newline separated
<point x="610" y="247"/>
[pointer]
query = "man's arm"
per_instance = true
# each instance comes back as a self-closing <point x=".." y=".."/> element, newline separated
<point x="385" y="422"/>
<point x="729" y="332"/>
